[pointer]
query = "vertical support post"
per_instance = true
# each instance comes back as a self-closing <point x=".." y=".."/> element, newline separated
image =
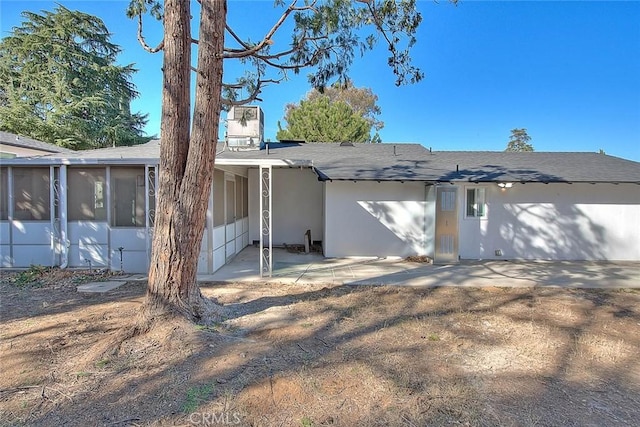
<point x="62" y="193"/>
<point x="150" y="193"/>
<point x="266" y="259"/>
<point x="108" y="201"/>
<point x="54" y="235"/>
<point x="10" y="214"/>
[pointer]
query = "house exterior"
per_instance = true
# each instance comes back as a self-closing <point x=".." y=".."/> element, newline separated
<point x="96" y="207"/>
<point x="12" y="145"/>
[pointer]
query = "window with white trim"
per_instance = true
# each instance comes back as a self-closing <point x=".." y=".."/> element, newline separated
<point x="476" y="203"/>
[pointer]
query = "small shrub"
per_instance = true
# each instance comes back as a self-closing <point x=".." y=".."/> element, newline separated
<point x="306" y="422"/>
<point x="102" y="363"/>
<point x="195" y="397"/>
<point x="30" y="277"/>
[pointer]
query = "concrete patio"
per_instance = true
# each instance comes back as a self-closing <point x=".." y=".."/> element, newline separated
<point x="314" y="268"/>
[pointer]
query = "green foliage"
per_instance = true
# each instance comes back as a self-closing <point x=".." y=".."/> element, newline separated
<point x="59" y="82"/>
<point x="321" y="120"/>
<point x="195" y="397"/>
<point x="361" y="100"/>
<point x="102" y="363"/>
<point x="344" y="28"/>
<point x="30" y="277"/>
<point x="519" y="141"/>
<point x="306" y="422"/>
<point x="326" y="37"/>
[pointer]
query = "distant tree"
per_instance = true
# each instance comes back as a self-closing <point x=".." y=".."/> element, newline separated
<point x="519" y="141"/>
<point x="321" y="120"/>
<point x="362" y="102"/>
<point x="59" y="83"/>
<point x="361" y="99"/>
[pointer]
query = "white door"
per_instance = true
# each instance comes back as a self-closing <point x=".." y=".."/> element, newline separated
<point x="446" y="225"/>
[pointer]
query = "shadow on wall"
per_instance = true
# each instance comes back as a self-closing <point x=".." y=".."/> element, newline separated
<point x="534" y="220"/>
<point x="405" y="219"/>
<point x="548" y="231"/>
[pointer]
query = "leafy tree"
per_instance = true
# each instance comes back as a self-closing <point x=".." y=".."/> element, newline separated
<point x="326" y="37"/>
<point x="362" y="101"/>
<point x="59" y="82"/>
<point x="320" y="120"/>
<point x="519" y="141"/>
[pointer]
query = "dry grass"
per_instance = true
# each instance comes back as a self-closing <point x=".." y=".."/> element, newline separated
<point x="296" y="355"/>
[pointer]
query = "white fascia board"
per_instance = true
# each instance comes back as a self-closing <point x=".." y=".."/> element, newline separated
<point x="33" y="161"/>
<point x="36" y="161"/>
<point x="264" y="162"/>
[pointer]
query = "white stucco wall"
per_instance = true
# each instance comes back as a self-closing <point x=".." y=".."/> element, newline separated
<point x="31" y="244"/>
<point x="555" y="221"/>
<point x="89" y="240"/>
<point x="375" y="219"/>
<point x="297" y="205"/>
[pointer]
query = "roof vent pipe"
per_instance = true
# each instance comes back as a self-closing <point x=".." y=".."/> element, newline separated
<point x="267" y="145"/>
<point x="457" y="168"/>
<point x="394" y="151"/>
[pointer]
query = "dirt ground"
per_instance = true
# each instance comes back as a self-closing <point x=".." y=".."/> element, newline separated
<point x="299" y="355"/>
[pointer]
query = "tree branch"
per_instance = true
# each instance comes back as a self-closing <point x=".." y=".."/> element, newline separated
<point x="292" y="50"/>
<point x="266" y="40"/>
<point x="252" y="97"/>
<point x="142" y="41"/>
<point x="374" y="13"/>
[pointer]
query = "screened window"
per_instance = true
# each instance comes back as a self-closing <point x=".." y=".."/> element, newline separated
<point x="245" y="196"/>
<point x="218" y="198"/>
<point x="87" y="194"/>
<point x="128" y="197"/>
<point x="4" y="194"/>
<point x="239" y="198"/>
<point x="31" y="194"/>
<point x="476" y="203"/>
<point x="231" y="205"/>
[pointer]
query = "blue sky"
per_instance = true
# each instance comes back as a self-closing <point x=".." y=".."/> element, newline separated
<point x="567" y="71"/>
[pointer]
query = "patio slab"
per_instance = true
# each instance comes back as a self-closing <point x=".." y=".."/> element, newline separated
<point x="100" y="287"/>
<point x="314" y="269"/>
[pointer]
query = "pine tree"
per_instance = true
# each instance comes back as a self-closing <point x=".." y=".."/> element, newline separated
<point x="59" y="83"/>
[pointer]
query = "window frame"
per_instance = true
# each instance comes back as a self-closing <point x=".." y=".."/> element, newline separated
<point x="471" y="212"/>
<point x="94" y="180"/>
<point x="129" y="174"/>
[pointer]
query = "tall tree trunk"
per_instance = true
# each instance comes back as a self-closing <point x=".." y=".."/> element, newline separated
<point x="186" y="161"/>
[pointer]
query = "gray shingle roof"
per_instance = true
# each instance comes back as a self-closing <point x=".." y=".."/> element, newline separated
<point x="147" y="151"/>
<point x="401" y="162"/>
<point x="25" y="142"/>
<point x="413" y="162"/>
